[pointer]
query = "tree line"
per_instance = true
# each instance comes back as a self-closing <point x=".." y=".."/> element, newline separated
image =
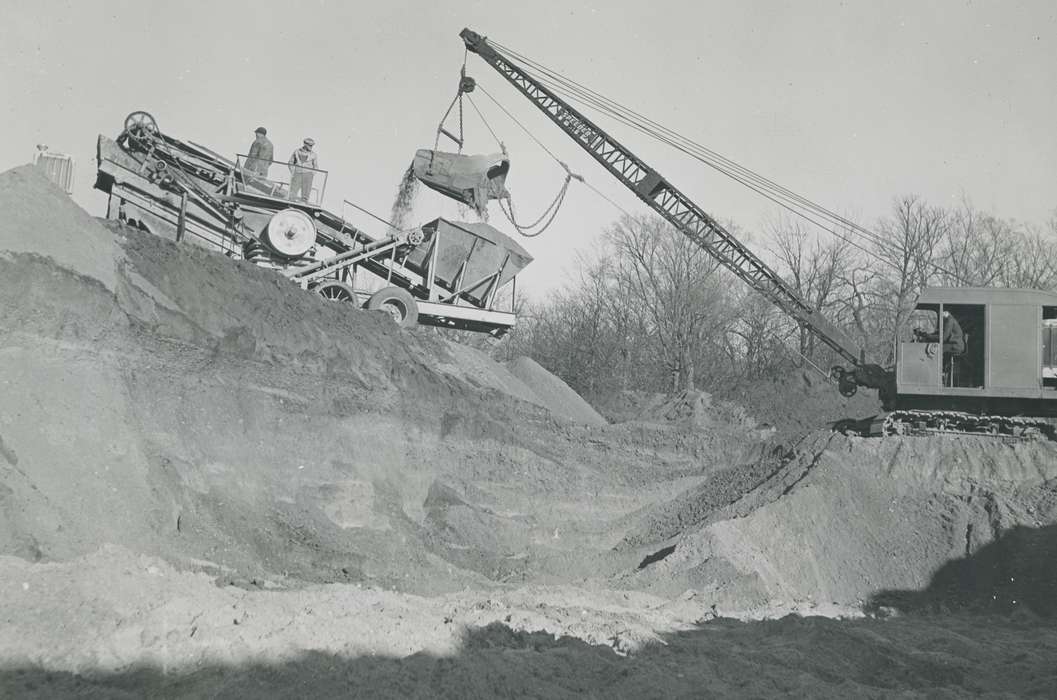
<point x="652" y="311"/>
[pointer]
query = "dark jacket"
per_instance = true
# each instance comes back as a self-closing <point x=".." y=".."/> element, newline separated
<point x="259" y="157"/>
<point x="953" y="337"/>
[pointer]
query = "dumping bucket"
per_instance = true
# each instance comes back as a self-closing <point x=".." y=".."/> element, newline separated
<point x="472" y="180"/>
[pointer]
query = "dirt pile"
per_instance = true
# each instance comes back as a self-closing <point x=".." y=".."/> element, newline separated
<point x="179" y="403"/>
<point x="853" y="521"/>
<point x="553" y="392"/>
<point x="210" y="479"/>
<point x="797" y="404"/>
<point x="696" y="410"/>
<point x="788" y="407"/>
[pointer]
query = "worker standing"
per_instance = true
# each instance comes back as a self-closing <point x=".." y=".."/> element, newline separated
<point x="303" y="164"/>
<point x="259" y="158"/>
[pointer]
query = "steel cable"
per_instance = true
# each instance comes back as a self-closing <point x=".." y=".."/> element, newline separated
<point x="789" y="200"/>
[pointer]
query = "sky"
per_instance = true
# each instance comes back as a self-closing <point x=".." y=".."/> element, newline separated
<point x="850" y="104"/>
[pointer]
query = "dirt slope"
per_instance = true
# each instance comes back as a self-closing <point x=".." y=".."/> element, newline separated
<point x="553" y="392"/>
<point x="845" y="518"/>
<point x="183" y="404"/>
<point x="175" y="422"/>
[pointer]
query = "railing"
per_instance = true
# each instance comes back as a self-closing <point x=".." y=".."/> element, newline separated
<point x="279" y="180"/>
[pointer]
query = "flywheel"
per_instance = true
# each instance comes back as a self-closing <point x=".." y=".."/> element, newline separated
<point x="290" y="233"/>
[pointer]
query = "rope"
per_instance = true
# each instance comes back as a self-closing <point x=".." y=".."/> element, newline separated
<point x="502" y="146"/>
<point x="457" y="98"/>
<point x="390" y="224"/>
<point x="603" y="196"/>
<point x="552" y="209"/>
<point x="440" y="127"/>
<point x="807" y="359"/>
<point x="796" y="204"/>
<point x="506" y="204"/>
<point x="524" y="128"/>
<point x="462" y="135"/>
<point x="488" y="126"/>
<point x="762" y="191"/>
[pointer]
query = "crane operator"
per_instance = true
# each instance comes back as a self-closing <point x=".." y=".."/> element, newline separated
<point x="951" y="333"/>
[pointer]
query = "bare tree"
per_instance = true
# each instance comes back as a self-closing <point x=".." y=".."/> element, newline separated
<point x="651" y="310"/>
<point x="590" y="333"/>
<point x="677" y="282"/>
<point x="1033" y="261"/>
<point x="978" y="247"/>
<point x="814" y="269"/>
<point x="865" y="307"/>
<point x="758" y="335"/>
<point x="909" y="250"/>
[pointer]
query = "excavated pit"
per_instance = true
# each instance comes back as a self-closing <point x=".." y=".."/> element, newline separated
<point x="174" y="421"/>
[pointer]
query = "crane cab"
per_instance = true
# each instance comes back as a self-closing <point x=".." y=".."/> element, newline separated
<point x="1008" y="365"/>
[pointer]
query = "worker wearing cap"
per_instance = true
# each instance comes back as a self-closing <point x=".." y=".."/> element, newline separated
<point x="302" y="170"/>
<point x="259" y="158"/>
<point x="950" y="334"/>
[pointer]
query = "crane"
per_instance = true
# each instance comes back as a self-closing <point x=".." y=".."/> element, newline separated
<point x="663" y="197"/>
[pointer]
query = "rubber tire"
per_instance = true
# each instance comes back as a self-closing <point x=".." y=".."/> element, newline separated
<point x="398" y="303"/>
<point x="332" y="290"/>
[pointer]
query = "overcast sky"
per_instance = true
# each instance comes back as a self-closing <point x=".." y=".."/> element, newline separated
<point x="848" y="103"/>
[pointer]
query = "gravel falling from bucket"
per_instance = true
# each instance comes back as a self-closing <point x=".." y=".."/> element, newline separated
<point x="405" y="198"/>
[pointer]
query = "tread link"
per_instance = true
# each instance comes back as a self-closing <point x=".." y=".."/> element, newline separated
<point x="918" y="422"/>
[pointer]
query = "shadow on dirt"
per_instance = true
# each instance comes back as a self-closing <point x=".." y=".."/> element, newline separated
<point x="799" y="657"/>
<point x="1017" y="570"/>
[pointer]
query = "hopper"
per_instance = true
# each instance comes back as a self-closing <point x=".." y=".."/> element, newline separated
<point x="468" y="257"/>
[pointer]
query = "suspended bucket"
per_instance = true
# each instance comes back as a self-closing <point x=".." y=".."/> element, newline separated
<point x="290" y="233"/>
<point x="472" y="180"/>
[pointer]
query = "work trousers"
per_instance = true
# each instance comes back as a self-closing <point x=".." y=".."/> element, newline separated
<point x="301" y="185"/>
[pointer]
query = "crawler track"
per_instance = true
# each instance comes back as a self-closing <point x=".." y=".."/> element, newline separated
<point x="1007" y="428"/>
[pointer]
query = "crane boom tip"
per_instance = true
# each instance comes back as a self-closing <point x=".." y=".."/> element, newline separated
<point x="471" y="38"/>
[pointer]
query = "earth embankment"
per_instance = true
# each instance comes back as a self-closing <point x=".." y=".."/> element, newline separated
<point x="842" y="518"/>
<point x="209" y="476"/>
<point x="183" y="404"/>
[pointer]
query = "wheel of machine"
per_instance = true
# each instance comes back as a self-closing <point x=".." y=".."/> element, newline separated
<point x="416" y="237"/>
<point x="138" y="123"/>
<point x="290" y="233"/>
<point x="255" y="251"/>
<point x="398" y="303"/>
<point x="332" y="290"/>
